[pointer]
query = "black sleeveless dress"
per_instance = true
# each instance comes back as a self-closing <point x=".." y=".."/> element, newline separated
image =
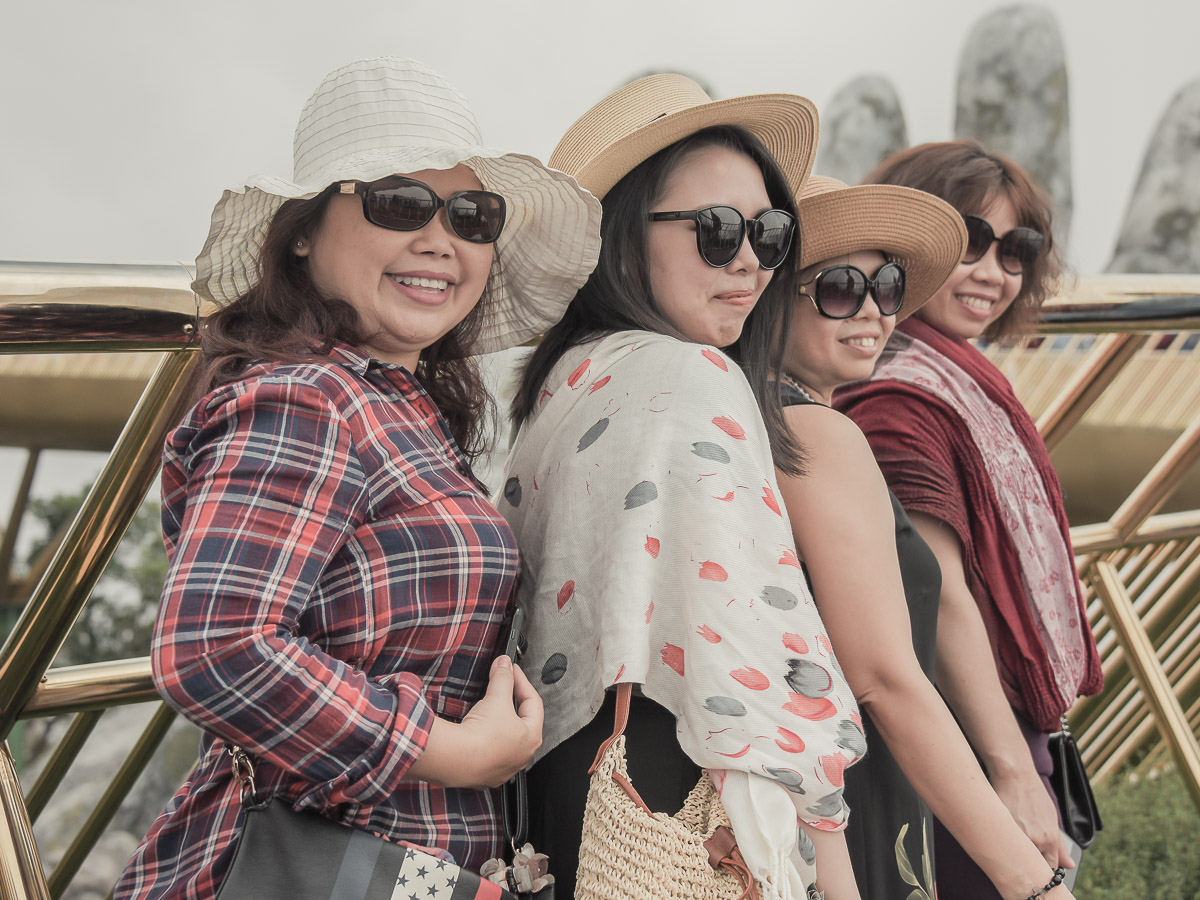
<point x="890" y="834"/>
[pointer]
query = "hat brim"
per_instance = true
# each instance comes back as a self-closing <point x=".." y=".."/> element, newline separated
<point x="549" y="246"/>
<point x="785" y="123"/>
<point x="920" y="231"/>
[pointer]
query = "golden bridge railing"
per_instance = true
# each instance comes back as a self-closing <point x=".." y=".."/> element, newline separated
<point x="1142" y="569"/>
<point x="46" y="309"/>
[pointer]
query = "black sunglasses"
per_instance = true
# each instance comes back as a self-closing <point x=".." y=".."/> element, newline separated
<point x="720" y="231"/>
<point x="1019" y="248"/>
<point x="841" y="290"/>
<point x="405" y="204"/>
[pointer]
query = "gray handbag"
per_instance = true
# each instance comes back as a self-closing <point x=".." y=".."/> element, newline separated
<point x="284" y="854"/>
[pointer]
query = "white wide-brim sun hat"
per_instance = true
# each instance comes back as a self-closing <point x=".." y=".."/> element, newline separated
<point x="392" y="116"/>
<point x="923" y="233"/>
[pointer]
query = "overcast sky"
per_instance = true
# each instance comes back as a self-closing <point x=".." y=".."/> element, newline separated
<point x="122" y="120"/>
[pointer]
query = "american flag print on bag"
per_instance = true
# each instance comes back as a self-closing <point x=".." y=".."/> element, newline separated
<point x="423" y="876"/>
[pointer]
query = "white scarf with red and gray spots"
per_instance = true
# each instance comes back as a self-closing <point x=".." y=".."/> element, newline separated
<point x="656" y="550"/>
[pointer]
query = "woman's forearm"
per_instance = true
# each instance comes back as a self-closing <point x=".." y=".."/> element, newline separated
<point x="967" y="678"/>
<point x="924" y="739"/>
<point x="835" y="876"/>
<point x="970" y="684"/>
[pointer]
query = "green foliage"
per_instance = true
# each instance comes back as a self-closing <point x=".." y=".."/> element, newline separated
<point x="117" y="620"/>
<point x="1148" y="845"/>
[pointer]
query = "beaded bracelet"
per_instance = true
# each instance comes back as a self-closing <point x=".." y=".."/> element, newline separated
<point x="1059" y="874"/>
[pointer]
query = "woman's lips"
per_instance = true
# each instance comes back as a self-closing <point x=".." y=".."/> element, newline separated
<point x="737" y="298"/>
<point x="980" y="307"/>
<point x="427" y="288"/>
<point x="866" y="345"/>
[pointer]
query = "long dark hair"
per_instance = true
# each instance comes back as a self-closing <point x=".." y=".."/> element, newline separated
<point x="617" y="296"/>
<point x="283" y="318"/>
<point x="970" y="179"/>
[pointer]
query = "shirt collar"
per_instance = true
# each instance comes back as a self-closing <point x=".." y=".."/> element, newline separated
<point x="354" y="358"/>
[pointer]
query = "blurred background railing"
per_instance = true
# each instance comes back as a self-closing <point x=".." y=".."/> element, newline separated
<point x="97" y="357"/>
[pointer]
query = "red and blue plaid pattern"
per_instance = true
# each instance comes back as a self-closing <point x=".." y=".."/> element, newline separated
<point x="337" y="579"/>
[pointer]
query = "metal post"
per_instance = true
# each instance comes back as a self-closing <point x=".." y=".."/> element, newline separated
<point x="93" y="537"/>
<point x="1158" y="484"/>
<point x="1098" y="371"/>
<point x="21" y="876"/>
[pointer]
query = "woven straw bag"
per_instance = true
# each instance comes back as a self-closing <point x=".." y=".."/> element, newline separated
<point x="629" y="852"/>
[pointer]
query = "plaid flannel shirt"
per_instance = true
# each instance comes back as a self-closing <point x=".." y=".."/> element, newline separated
<point x="337" y="579"/>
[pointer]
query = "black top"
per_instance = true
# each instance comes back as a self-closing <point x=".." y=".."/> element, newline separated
<point x="882" y="802"/>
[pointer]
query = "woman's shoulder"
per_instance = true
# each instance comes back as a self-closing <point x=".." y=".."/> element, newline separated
<point x="643" y="361"/>
<point x="669" y="355"/>
<point x="830" y="438"/>
<point x="890" y="403"/>
<point x="282" y="389"/>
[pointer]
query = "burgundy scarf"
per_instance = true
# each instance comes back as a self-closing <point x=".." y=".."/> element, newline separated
<point x="955" y="443"/>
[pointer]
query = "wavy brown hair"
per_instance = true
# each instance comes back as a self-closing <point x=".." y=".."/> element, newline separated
<point x="283" y="318"/>
<point x="969" y="178"/>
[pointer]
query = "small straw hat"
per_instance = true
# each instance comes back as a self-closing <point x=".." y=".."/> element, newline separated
<point x="918" y="230"/>
<point x="389" y="116"/>
<point x="632" y="124"/>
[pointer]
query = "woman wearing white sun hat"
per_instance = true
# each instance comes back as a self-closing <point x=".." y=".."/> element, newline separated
<point x="873" y="256"/>
<point x="337" y="578"/>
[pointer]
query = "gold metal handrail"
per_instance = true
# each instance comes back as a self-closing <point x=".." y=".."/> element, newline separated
<point x="91" y="540"/>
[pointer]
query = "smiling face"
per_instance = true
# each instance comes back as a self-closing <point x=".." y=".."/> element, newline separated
<point x="824" y="353"/>
<point x="708" y="305"/>
<point x="979" y="293"/>
<point x="410" y="288"/>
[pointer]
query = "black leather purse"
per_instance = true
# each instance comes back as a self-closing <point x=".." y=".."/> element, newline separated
<point x="288" y="855"/>
<point x="1081" y="817"/>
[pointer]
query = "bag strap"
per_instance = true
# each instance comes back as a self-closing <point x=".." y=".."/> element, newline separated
<point x="514" y="793"/>
<point x="624" y="692"/>
<point x="620" y="720"/>
<point x="514" y="809"/>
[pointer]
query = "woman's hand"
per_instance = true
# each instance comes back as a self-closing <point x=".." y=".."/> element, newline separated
<point x="494" y="741"/>
<point x="505" y="737"/>
<point x="1034" y="812"/>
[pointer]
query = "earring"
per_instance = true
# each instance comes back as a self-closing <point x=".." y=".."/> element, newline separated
<point x="300" y="243"/>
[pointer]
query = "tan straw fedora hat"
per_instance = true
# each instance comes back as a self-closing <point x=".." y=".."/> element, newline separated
<point x="632" y="124"/>
<point x="389" y="116"/>
<point x="923" y="233"/>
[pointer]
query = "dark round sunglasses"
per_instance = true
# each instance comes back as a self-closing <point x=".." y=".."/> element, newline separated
<point x="405" y="204"/>
<point x="840" y="291"/>
<point x="720" y="231"/>
<point x="1019" y="248"/>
